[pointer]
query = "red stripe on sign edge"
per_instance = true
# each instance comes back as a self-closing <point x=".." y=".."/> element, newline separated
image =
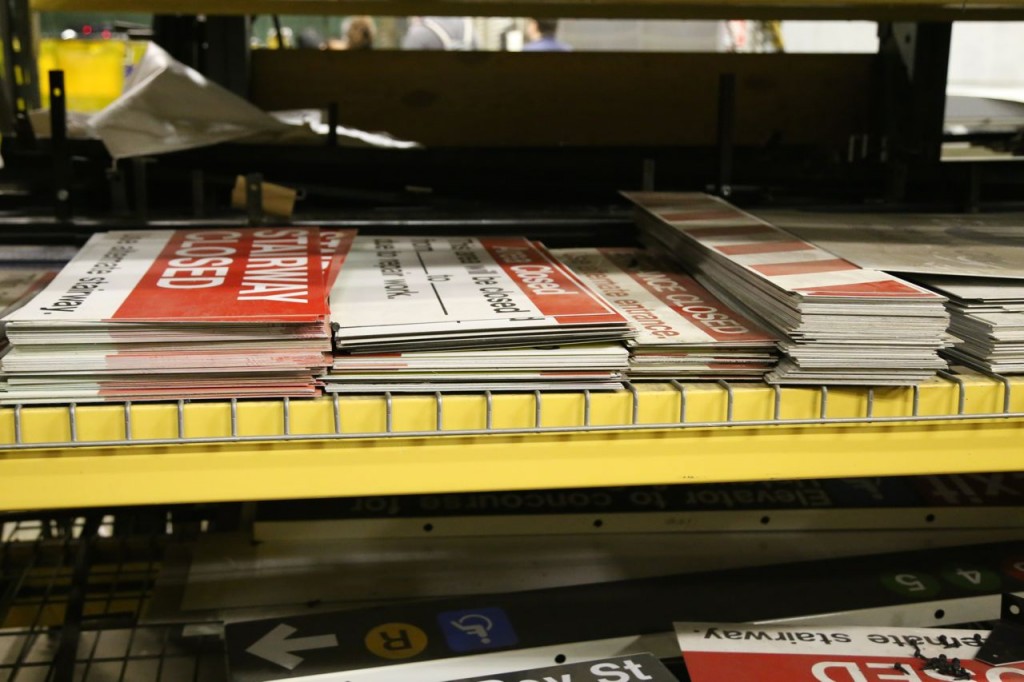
<point x="728" y="230"/>
<point x="695" y="215"/>
<point x="752" y="248"/>
<point x="804" y="267"/>
<point x="879" y="288"/>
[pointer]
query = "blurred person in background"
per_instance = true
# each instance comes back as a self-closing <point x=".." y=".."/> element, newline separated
<point x="310" y="39"/>
<point x="358" y="34"/>
<point x="439" y="33"/>
<point x="540" y="36"/>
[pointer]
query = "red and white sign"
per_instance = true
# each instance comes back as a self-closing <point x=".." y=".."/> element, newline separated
<point x="663" y="307"/>
<point x="200" y="276"/>
<point x="773" y="254"/>
<point x="808" y="653"/>
<point x="334" y="247"/>
<point x="433" y="284"/>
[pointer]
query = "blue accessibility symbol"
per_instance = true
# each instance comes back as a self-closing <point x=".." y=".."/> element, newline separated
<point x="477" y="629"/>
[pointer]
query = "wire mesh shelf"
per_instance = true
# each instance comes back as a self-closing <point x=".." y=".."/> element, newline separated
<point x="671" y="405"/>
<point x="142" y="653"/>
<point x="71" y="595"/>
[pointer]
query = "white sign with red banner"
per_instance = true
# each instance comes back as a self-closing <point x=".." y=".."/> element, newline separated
<point x="714" y="652"/>
<point x="664" y="307"/>
<point x="198" y="276"/>
<point x="435" y="284"/>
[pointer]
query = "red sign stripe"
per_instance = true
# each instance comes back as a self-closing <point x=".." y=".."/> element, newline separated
<point x="685" y="216"/>
<point x="549" y="285"/>
<point x="804" y="267"/>
<point x="881" y="288"/>
<point x="763" y="247"/>
<point x="737" y="229"/>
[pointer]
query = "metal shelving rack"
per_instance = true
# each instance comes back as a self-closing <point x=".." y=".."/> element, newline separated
<point x="71" y="591"/>
<point x="118" y="454"/>
<point x="918" y="10"/>
<point x="188" y="452"/>
<point x="72" y="588"/>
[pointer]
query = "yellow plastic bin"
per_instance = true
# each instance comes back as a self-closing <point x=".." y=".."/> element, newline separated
<point x="94" y="70"/>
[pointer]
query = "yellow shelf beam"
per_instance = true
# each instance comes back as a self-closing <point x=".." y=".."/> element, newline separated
<point x="920" y="10"/>
<point x="307" y="469"/>
<point x="267" y="463"/>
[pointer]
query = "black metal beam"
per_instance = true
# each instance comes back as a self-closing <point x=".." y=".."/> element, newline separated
<point x="59" y="147"/>
<point x="20" y="71"/>
<point x="226" y="52"/>
<point x="71" y="630"/>
<point x="915" y="61"/>
<point x="726" y="133"/>
<point x="215" y="46"/>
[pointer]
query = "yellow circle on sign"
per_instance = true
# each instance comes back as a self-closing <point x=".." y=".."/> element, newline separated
<point x="396" y="641"/>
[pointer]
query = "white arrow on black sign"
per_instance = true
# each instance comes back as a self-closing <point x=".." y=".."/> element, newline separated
<point x="277" y="648"/>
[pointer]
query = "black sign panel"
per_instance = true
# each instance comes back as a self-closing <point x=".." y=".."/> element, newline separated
<point x="479" y="624"/>
<point x="973" y="490"/>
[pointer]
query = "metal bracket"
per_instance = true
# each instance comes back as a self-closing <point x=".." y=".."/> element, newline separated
<point x="21" y="73"/>
<point x="650" y="170"/>
<point x="915" y="62"/>
<point x="65" y="658"/>
<point x="1006" y="643"/>
<point x="905" y="37"/>
<point x="140" y="178"/>
<point x="254" y="198"/>
<point x="118" y="191"/>
<point x="726" y="133"/>
<point x="59" y="147"/>
<point x="332" y="124"/>
<point x="198" y="193"/>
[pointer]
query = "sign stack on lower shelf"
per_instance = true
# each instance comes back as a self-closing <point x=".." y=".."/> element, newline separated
<point x="169" y="314"/>
<point x="987" y="317"/>
<point x="840" y="323"/>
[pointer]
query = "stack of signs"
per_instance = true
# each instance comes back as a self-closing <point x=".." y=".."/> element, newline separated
<point x="830" y="653"/>
<point x="683" y="331"/>
<point x="840" y="323"/>
<point x="430" y="313"/>
<point x="987" y="317"/>
<point x="596" y="366"/>
<point x="163" y="314"/>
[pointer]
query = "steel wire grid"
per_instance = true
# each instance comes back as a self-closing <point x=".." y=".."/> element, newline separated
<point x="868" y="417"/>
<point x="70" y="599"/>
